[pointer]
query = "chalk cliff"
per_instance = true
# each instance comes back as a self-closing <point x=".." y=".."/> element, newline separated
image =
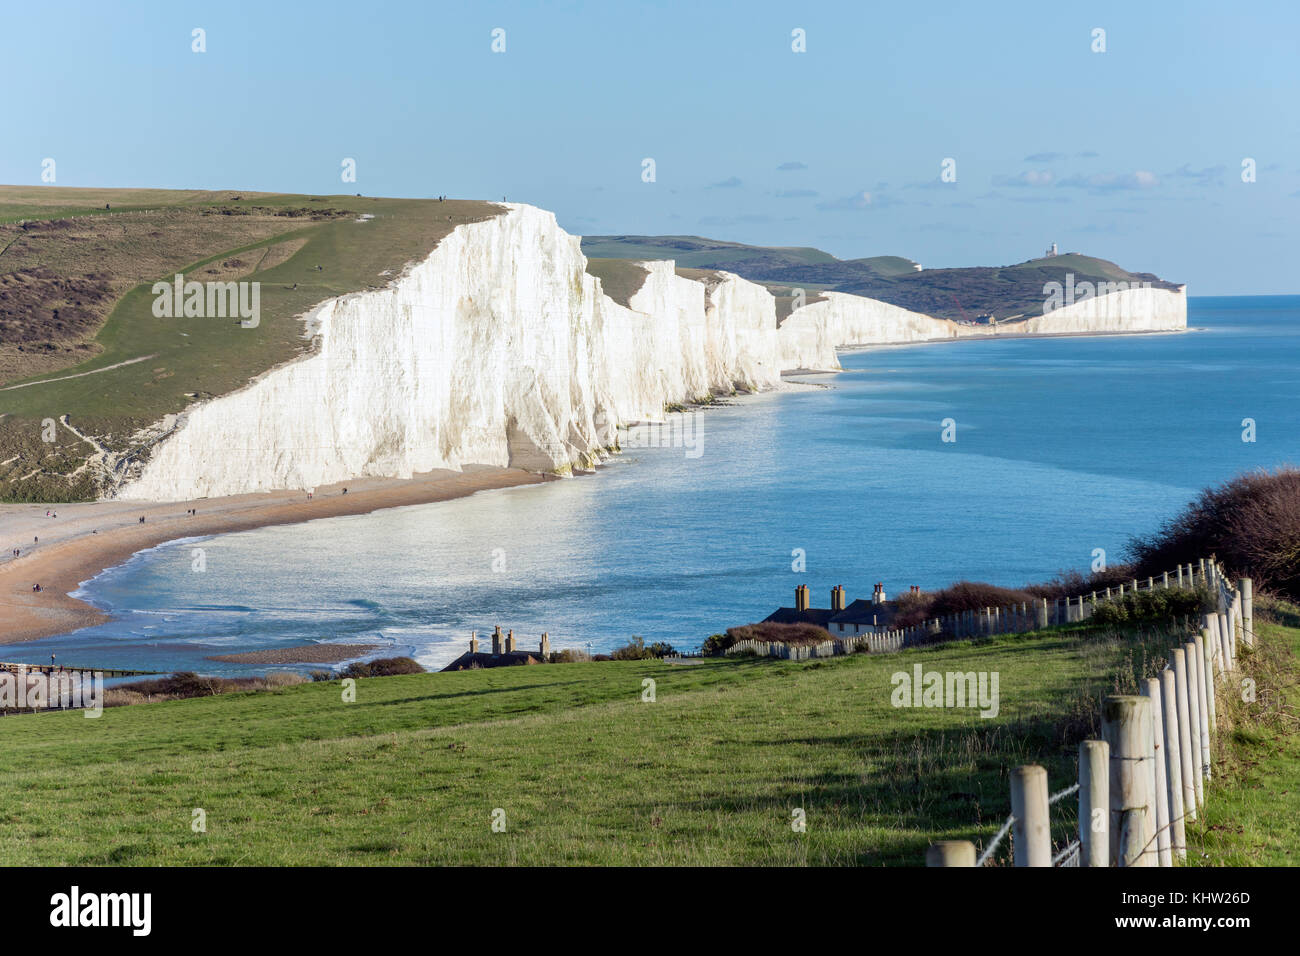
<point x="499" y="348"/>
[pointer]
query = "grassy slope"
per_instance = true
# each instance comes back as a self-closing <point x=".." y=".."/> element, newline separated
<point x="620" y="279"/>
<point x="586" y="772"/>
<point x="696" y="251"/>
<point x="206" y="357"/>
<point x="1253" y="816"/>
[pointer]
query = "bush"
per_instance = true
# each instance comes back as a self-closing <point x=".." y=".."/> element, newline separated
<point x="187" y="684"/>
<point x="1156" y="606"/>
<point x="1072" y="583"/>
<point x="1250" y="523"/>
<point x="384" y="667"/>
<point x="916" y="609"/>
<point x="773" y="632"/>
<point x="569" y="655"/>
<point x="715" y="644"/>
<point x="635" y="649"/>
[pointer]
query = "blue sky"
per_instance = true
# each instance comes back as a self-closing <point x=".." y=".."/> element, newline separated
<point x="1134" y="154"/>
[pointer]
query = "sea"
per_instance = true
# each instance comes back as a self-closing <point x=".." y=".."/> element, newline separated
<point x="1005" y="460"/>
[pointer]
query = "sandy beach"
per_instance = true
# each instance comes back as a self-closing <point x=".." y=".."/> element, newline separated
<point x="59" y="553"/>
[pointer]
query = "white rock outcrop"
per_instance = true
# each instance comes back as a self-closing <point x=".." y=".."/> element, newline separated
<point x="499" y="348"/>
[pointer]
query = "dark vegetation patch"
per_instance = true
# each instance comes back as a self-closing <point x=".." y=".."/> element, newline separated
<point x="383" y="667"/>
<point x="638" y="650"/>
<point x="770" y="631"/>
<point x="1251" y="523"/>
<point x="40" y="309"/>
<point x="914" y="609"/>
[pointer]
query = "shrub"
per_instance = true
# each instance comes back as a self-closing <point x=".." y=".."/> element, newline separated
<point x="1158" y="606"/>
<point x="916" y="609"/>
<point x="1251" y="523"/>
<point x="716" y="644"/>
<point x="384" y="667"/>
<point x="283" y="679"/>
<point x="635" y="650"/>
<point x="1073" y="583"/>
<point x="569" y="655"/>
<point x="184" y="685"/>
<point x="776" y="633"/>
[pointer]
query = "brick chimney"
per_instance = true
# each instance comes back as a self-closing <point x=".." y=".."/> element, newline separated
<point x="496" y="641"/>
<point x="801" y="598"/>
<point x="878" y="596"/>
<point x="837" y="598"/>
<point x="510" y="641"/>
<point x="473" y="642"/>
<point x="545" y="648"/>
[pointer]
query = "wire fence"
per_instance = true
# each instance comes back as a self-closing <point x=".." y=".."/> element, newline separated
<point x="1151" y="771"/>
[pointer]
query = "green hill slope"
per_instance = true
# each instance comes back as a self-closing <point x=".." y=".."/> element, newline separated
<point x="965" y="293"/>
<point x="76" y="274"/>
<point x="585" y="770"/>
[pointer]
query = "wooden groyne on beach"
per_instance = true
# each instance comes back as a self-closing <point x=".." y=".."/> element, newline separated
<point x="19" y="668"/>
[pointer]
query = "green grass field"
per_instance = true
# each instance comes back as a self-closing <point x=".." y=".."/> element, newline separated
<point x="1253" y="818"/>
<point x="585" y="771"/>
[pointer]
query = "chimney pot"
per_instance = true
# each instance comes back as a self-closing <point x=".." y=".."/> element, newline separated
<point x="801" y="598"/>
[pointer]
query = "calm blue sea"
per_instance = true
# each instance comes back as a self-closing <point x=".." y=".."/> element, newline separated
<point x="1062" y="446"/>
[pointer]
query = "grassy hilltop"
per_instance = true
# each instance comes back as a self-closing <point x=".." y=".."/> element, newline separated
<point x="76" y="271"/>
<point x="588" y="773"/>
<point x="1003" y="291"/>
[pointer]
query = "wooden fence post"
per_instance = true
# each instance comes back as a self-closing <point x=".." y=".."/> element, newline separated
<point x="1032" y="832"/>
<point x="1211" y="669"/>
<point x="1189" y="741"/>
<point x="1226" y="622"/>
<point x="950" y="853"/>
<point x="1159" y="784"/>
<point x="1248" y="611"/>
<point x="1126" y="726"/>
<point x="1173" y="762"/>
<point x="1206" y="692"/>
<point x="1094" y="803"/>
<point x="1194" y="720"/>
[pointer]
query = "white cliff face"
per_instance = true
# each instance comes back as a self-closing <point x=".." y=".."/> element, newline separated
<point x="810" y="336"/>
<point x="499" y="349"/>
<point x="1130" y="310"/>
